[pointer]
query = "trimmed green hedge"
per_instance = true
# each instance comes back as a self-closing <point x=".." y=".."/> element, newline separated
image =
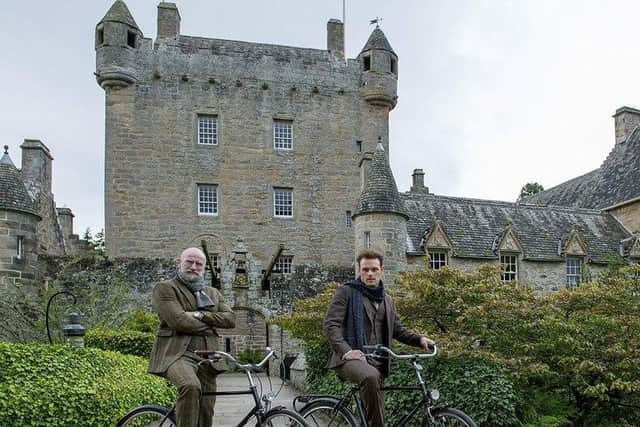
<point x="57" y="386"/>
<point x="121" y="340"/>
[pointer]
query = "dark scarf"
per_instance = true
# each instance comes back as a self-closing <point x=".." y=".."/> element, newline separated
<point x="355" y="310"/>
<point x="197" y="289"/>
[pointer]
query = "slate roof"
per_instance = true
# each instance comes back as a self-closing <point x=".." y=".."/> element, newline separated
<point x="473" y="226"/>
<point x="380" y="193"/>
<point x="13" y="193"/>
<point x="616" y="181"/>
<point x="119" y="12"/>
<point x="377" y="40"/>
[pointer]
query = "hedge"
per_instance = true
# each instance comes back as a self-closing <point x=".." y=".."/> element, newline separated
<point x="57" y="386"/>
<point x="121" y="340"/>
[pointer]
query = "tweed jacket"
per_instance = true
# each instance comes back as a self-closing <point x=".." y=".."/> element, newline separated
<point x="335" y="324"/>
<point x="171" y="300"/>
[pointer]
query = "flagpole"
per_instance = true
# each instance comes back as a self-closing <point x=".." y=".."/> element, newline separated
<point x="344" y="29"/>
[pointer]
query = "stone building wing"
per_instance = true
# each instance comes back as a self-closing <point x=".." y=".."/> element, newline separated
<point x="119" y="12"/>
<point x="377" y="40"/>
<point x="474" y="226"/>
<point x="615" y="182"/>
<point x="13" y="193"/>
<point x="380" y="193"/>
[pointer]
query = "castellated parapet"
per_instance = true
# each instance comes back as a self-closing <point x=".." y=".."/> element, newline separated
<point x="155" y="97"/>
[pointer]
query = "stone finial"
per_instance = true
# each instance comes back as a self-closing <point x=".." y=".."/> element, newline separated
<point x="6" y="149"/>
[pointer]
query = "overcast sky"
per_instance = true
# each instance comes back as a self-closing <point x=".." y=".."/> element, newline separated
<point x="492" y="94"/>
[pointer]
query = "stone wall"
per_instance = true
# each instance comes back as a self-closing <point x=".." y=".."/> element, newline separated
<point x="154" y="163"/>
<point x="16" y="270"/>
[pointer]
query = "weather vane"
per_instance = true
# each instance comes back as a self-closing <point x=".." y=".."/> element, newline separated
<point x="376" y="21"/>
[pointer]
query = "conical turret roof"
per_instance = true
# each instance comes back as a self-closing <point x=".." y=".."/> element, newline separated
<point x="380" y="192"/>
<point x="119" y="12"/>
<point x="377" y="40"/>
<point x="13" y="193"/>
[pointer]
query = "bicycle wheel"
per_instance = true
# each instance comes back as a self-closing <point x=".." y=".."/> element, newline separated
<point x="323" y="413"/>
<point x="449" y="417"/>
<point x="148" y="416"/>
<point x="283" y="418"/>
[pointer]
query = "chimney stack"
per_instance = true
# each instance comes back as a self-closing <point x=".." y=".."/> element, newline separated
<point x="168" y="20"/>
<point x="626" y="120"/>
<point x="36" y="167"/>
<point x="335" y="38"/>
<point x="417" y="185"/>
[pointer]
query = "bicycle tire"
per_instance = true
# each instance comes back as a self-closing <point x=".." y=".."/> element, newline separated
<point x="148" y="416"/>
<point x="283" y="418"/>
<point x="322" y="413"/>
<point x="449" y="417"/>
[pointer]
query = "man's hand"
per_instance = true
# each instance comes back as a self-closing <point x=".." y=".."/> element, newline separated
<point x="354" y="355"/>
<point x="427" y="344"/>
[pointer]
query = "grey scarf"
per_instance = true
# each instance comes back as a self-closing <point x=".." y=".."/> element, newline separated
<point x="197" y="289"/>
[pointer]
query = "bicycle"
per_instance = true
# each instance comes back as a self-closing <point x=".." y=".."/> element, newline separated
<point x="161" y="416"/>
<point x="335" y="411"/>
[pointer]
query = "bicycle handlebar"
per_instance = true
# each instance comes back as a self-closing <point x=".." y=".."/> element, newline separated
<point x="244" y="366"/>
<point x="398" y="356"/>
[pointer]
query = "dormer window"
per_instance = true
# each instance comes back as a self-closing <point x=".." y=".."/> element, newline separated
<point x="131" y="39"/>
<point x="366" y="63"/>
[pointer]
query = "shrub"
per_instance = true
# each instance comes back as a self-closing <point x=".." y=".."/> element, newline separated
<point x="142" y="321"/>
<point x="123" y="341"/>
<point x="57" y="386"/>
<point x="250" y="356"/>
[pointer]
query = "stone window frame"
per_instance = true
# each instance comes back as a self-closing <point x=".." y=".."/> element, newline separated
<point x="283" y="202"/>
<point x="100" y="35"/>
<point x="367" y="240"/>
<point x="212" y="138"/>
<point x="348" y="219"/>
<point x="132" y="39"/>
<point x="215" y="203"/>
<point x="366" y="62"/>
<point x="282" y="134"/>
<point x="573" y="270"/>
<point x="215" y="262"/>
<point x="442" y="261"/>
<point x="19" y="247"/>
<point x="284" y="264"/>
<point x="509" y="267"/>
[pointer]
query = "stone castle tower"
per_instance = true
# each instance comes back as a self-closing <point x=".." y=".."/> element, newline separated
<point x="380" y="219"/>
<point x="224" y="140"/>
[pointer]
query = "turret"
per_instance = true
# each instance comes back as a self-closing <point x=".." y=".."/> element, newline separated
<point x="117" y="41"/>
<point x="380" y="218"/>
<point x="379" y="64"/>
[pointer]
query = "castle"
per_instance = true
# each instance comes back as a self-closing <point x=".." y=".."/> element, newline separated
<point x="220" y="140"/>
<point x="31" y="223"/>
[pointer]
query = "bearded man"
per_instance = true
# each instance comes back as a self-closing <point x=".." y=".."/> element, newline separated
<point x="189" y="314"/>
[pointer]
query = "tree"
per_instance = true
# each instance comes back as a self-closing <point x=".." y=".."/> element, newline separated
<point x="98" y="242"/>
<point x="529" y="189"/>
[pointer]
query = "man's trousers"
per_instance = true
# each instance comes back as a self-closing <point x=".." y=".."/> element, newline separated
<point x="370" y="381"/>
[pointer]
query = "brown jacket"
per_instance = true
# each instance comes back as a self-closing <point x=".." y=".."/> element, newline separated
<point x="171" y="300"/>
<point x="336" y="320"/>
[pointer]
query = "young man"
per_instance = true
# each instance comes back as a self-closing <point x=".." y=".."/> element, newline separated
<point x="189" y="315"/>
<point x="360" y="314"/>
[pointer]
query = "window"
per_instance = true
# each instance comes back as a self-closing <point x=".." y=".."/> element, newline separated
<point x="283" y="264"/>
<point x="20" y="247"/>
<point x="367" y="239"/>
<point x="366" y="63"/>
<point x="509" y="266"/>
<point x="357" y="146"/>
<point x="349" y="222"/>
<point x="208" y="130"/>
<point x="283" y="135"/>
<point x="207" y="199"/>
<point x="437" y="259"/>
<point x="574" y="271"/>
<point x="283" y="202"/>
<point x="215" y="262"/>
<point x="394" y="66"/>
<point x="131" y="39"/>
<point x="100" y="36"/>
